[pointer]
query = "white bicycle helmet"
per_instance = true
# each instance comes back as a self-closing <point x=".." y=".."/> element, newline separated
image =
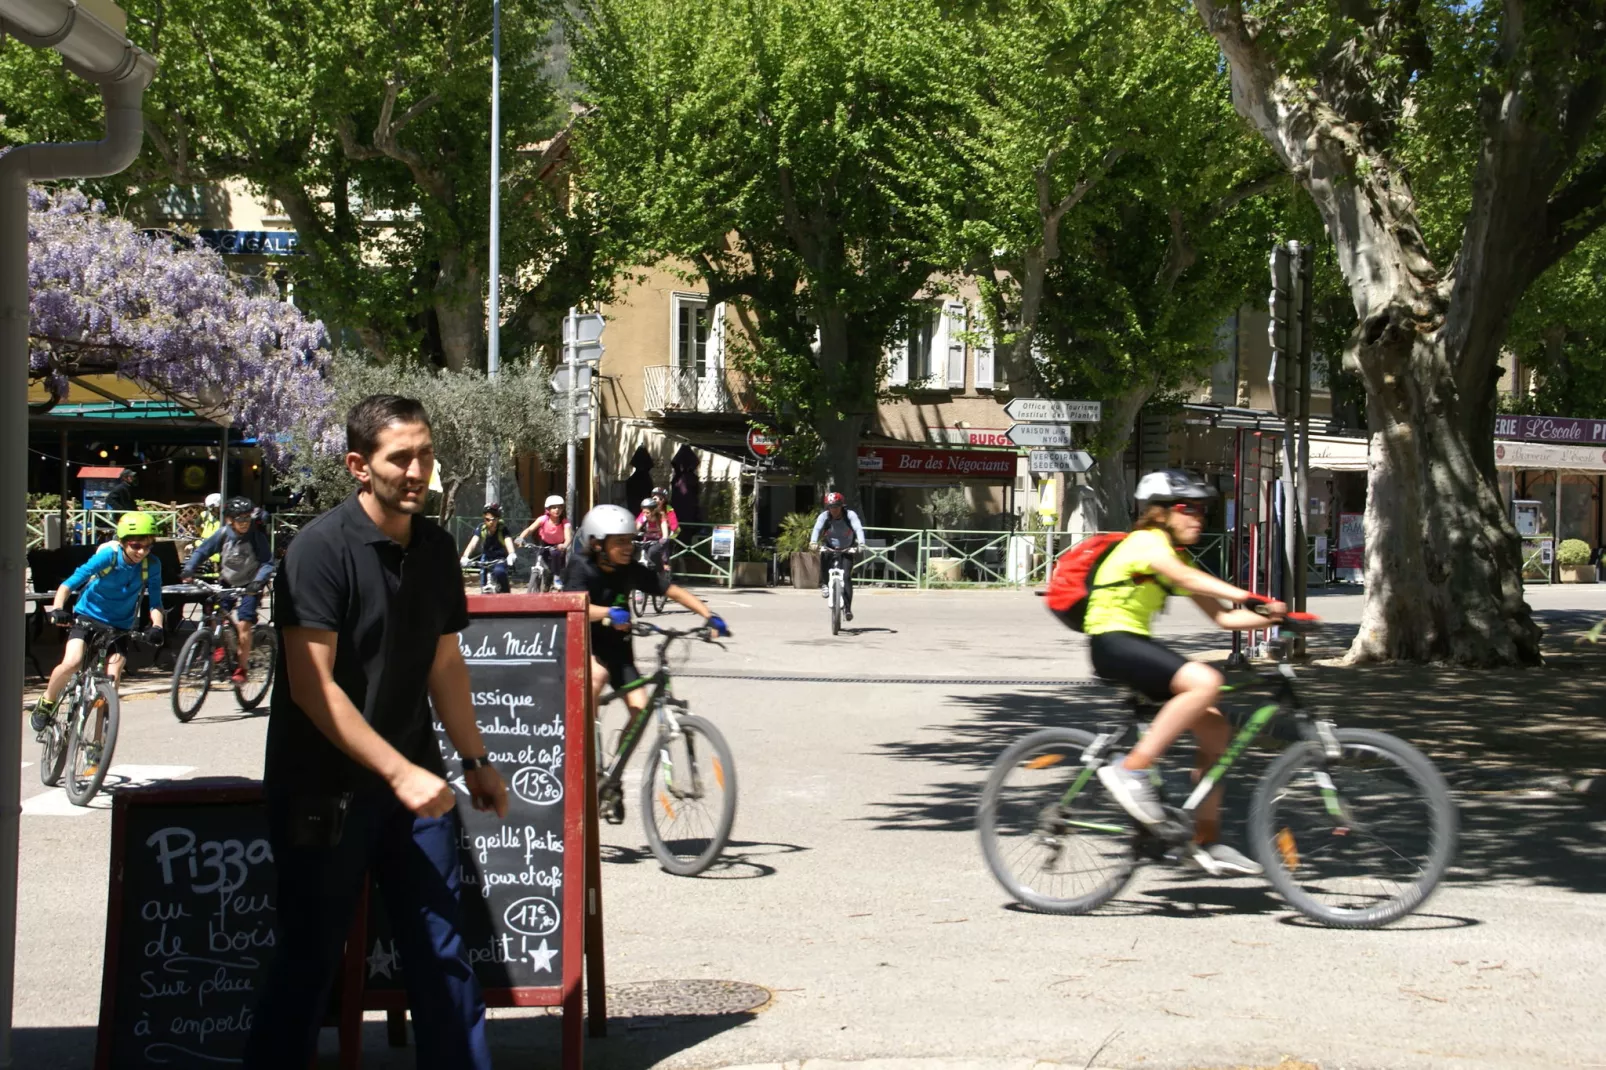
<point x="1171" y="485"/>
<point x="214" y="500"/>
<point x="553" y="499"/>
<point x="605" y="520"/>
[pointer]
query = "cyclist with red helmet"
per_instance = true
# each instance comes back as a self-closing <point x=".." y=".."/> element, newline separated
<point x="836" y="531"/>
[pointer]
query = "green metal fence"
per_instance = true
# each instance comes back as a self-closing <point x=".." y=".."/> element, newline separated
<point x="90" y="527"/>
<point x="695" y="558"/>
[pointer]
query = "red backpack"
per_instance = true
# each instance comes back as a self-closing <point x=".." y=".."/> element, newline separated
<point x="1072" y="582"/>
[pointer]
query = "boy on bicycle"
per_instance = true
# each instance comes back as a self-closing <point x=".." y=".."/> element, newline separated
<point x="553" y="534"/>
<point x="604" y="567"/>
<point x="112" y="582"/>
<point x="1128" y="589"/>
<point x="836" y="532"/>
<point x="495" y="548"/>
<point x="244" y="560"/>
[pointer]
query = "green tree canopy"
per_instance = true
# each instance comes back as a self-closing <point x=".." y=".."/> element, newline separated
<point x="804" y="157"/>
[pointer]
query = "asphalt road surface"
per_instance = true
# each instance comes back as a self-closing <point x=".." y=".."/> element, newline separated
<point x="855" y="891"/>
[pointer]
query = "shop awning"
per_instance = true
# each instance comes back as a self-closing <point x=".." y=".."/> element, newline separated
<point x="1549" y="455"/>
<point x="1335" y="453"/>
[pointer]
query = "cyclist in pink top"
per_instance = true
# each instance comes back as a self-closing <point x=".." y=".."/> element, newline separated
<point x="553" y="532"/>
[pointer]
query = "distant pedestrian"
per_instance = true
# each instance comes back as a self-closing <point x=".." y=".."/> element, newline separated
<point x="120" y="499"/>
<point x="368" y="603"/>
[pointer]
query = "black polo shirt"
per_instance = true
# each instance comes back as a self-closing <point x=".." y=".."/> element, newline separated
<point x="611" y="587"/>
<point x="388" y="605"/>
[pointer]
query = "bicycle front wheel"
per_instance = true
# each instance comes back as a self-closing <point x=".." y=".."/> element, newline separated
<point x="1050" y="833"/>
<point x="192" y="675"/>
<point x="259" y="668"/>
<point x="688" y="797"/>
<point x="1356" y="841"/>
<point x="94" y="738"/>
<point x="638" y="602"/>
<point x="836" y="608"/>
<point x="53" y="745"/>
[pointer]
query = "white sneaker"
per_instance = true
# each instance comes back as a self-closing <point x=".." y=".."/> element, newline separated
<point x="825" y="591"/>
<point x="1219" y="860"/>
<point x="1132" y="789"/>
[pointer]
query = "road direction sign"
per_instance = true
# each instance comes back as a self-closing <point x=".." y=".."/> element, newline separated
<point x="587" y="328"/>
<point x="1059" y="460"/>
<point x="1041" y="435"/>
<point x="560" y="381"/>
<point x="1049" y="411"/>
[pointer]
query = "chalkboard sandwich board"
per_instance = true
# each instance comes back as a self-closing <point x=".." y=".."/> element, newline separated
<point x="189" y="925"/>
<point x="524" y="880"/>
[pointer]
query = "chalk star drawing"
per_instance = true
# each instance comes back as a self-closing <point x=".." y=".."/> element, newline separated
<point x="381" y="961"/>
<point x="541" y="958"/>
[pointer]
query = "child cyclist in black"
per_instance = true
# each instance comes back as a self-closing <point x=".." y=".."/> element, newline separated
<point x="604" y="566"/>
<point x="1128" y="589"/>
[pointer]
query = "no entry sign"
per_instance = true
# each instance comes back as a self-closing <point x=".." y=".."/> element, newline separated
<point x="760" y="443"/>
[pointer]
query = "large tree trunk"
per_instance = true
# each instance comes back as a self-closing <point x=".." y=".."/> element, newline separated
<point x="460" y="313"/>
<point x="840" y="428"/>
<point x="1442" y="568"/>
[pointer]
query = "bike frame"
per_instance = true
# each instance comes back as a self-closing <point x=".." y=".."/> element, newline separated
<point x="836" y="576"/>
<point x="1287" y="700"/>
<point x="636" y="727"/>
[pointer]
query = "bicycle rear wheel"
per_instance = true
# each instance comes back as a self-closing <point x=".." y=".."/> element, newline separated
<point x="688" y="797"/>
<point x="259" y="669"/>
<point x="836" y="607"/>
<point x="658" y="602"/>
<point x="1050" y="833"/>
<point x="94" y="738"/>
<point x="192" y="675"/>
<point x="1358" y="841"/>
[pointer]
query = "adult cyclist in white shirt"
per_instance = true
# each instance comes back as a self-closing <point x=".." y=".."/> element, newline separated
<point x="837" y="530"/>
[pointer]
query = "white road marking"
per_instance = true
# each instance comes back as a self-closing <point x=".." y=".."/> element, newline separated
<point x="54" y="803"/>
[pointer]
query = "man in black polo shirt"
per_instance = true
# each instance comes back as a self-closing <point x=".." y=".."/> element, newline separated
<point x="368" y="606"/>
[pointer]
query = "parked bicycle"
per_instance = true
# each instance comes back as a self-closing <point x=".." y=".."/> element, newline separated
<point x="212" y="653"/>
<point x="688" y="790"/>
<point x="836" y="581"/>
<point x="639" y="599"/>
<point x="1354" y="828"/>
<point x="80" y="738"/>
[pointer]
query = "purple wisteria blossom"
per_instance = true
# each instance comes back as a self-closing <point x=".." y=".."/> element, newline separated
<point x="163" y="310"/>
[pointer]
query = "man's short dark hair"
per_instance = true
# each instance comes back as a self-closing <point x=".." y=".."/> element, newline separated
<point x="376" y="412"/>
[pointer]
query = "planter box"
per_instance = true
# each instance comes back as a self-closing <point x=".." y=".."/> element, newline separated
<point x="751" y="574"/>
<point x="806" y="570"/>
<point x="945" y="569"/>
<point x="1579" y="574"/>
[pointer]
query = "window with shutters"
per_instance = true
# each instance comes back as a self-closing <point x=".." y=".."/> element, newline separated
<point x="690" y="345"/>
<point x="951" y="335"/>
<point x="982" y="344"/>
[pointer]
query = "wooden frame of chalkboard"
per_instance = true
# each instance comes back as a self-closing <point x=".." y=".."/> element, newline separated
<point x="581" y="937"/>
<point x="197" y="794"/>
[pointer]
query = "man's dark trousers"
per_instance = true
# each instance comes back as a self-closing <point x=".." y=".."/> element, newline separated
<point x="416" y="862"/>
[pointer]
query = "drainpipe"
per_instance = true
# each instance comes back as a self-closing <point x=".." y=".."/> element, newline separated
<point x="89" y="36"/>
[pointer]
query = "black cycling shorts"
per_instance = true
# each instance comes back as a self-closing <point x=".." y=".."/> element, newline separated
<point x="621" y="668"/>
<point x="1136" y="661"/>
<point x="118" y="646"/>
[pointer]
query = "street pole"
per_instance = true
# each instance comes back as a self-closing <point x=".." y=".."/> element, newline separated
<point x="1293" y="534"/>
<point x="223" y="474"/>
<point x="493" y="354"/>
<point x="1306" y="275"/>
<point x="570" y="348"/>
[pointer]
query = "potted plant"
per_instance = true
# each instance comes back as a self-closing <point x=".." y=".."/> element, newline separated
<point x="793" y="543"/>
<point x="1572" y="559"/>
<point x="948" y="510"/>
<point x="750" y="569"/>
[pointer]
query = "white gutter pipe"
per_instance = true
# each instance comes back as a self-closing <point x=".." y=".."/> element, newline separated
<point x="89" y="36"/>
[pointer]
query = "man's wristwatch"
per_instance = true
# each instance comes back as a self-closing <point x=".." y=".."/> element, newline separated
<point x="471" y="764"/>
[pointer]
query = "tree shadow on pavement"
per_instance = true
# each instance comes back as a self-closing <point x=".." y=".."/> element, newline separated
<point x="1511" y="743"/>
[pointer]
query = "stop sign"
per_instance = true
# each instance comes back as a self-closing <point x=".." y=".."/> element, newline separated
<point x="759" y="444"/>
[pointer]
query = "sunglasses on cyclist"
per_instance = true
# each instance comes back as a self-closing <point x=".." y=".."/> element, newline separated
<point x="1190" y="509"/>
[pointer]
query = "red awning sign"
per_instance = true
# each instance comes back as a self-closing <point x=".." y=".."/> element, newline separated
<point x="953" y="464"/>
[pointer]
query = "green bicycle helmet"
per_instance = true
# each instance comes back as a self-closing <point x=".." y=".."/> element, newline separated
<point x="130" y="525"/>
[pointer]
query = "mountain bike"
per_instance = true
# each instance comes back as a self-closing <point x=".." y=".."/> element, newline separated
<point x="1354" y="828"/>
<point x="212" y="653"/>
<point x="541" y="576"/>
<point x="481" y="566"/>
<point x="836" y="582"/>
<point x="80" y="738"/>
<point x="688" y="791"/>
<point x="639" y="599"/>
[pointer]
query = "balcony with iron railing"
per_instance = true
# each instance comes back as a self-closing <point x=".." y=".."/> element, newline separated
<point x="672" y="390"/>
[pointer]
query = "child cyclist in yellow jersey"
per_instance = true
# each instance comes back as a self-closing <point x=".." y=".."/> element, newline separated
<point x="1129" y="587"/>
